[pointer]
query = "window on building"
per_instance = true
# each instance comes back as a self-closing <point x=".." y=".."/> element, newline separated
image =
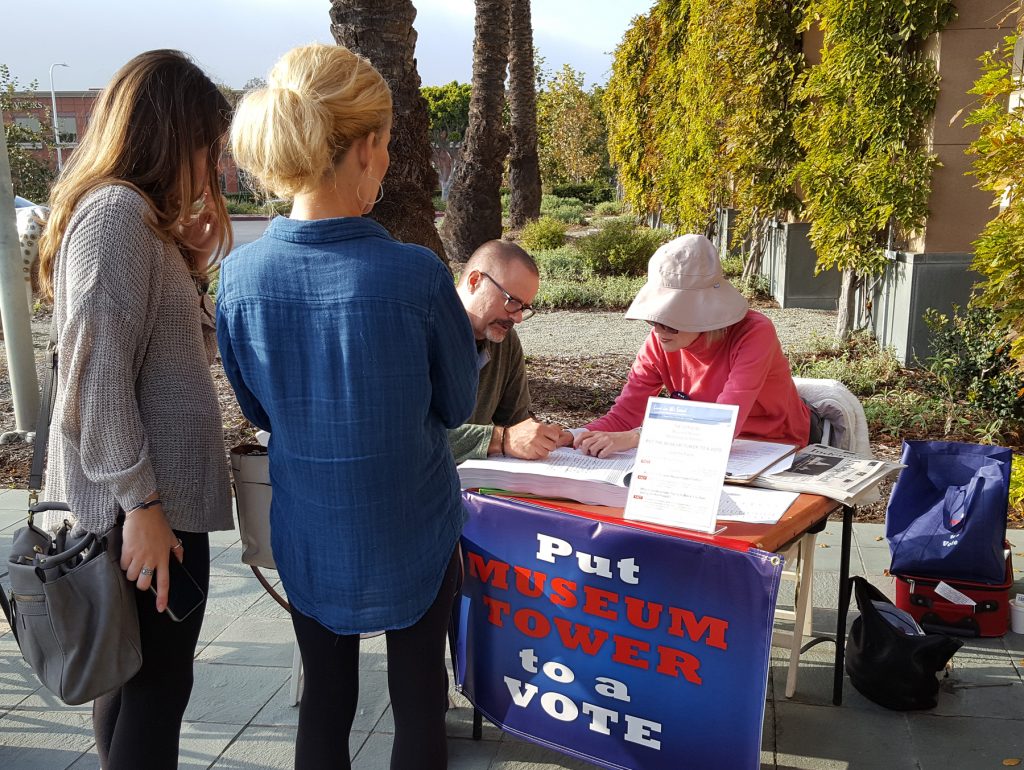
<point x="67" y="127"/>
<point x="28" y="125"/>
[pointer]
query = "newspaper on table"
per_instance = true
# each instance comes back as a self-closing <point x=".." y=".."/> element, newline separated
<point x="823" y="470"/>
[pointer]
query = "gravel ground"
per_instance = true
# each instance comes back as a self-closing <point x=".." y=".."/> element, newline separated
<point x="574" y="334"/>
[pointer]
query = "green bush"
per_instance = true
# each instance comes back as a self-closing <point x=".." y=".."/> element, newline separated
<point x="608" y="208"/>
<point x="549" y="202"/>
<point x="591" y="193"/>
<point x="858" y="363"/>
<point x="571" y="214"/>
<point x="543" y="233"/>
<point x="732" y="267"/>
<point x="243" y="207"/>
<point x="755" y="287"/>
<point x="971" y="362"/>
<point x="439" y="203"/>
<point x="563" y="262"/>
<point x="621" y="247"/>
<point x="599" y="293"/>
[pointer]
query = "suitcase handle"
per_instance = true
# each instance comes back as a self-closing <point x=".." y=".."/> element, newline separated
<point x="920" y="600"/>
<point x="933" y="624"/>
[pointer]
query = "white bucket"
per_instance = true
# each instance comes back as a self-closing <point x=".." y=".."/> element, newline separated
<point x="1017" y="614"/>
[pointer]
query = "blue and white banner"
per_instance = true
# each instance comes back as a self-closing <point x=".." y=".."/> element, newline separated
<point x="626" y="648"/>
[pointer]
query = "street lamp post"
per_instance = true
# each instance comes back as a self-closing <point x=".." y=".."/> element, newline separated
<point x="56" y="130"/>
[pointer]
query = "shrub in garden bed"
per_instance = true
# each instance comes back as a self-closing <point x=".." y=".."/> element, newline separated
<point x="608" y="209"/>
<point x="971" y="361"/>
<point x="597" y="293"/>
<point x="621" y="247"/>
<point x="591" y="193"/>
<point x="543" y="233"/>
<point x="563" y="262"/>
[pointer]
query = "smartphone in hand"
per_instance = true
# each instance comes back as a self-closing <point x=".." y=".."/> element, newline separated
<point x="184" y="595"/>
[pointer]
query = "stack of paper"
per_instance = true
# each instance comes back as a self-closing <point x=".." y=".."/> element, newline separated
<point x="573" y="475"/>
<point x="824" y="470"/>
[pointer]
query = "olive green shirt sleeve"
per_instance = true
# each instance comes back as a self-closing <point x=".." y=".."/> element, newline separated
<point x="503" y="398"/>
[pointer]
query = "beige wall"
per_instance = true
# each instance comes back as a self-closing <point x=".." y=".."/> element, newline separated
<point x="958" y="211"/>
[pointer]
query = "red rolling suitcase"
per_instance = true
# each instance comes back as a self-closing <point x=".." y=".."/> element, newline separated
<point x="989" y="616"/>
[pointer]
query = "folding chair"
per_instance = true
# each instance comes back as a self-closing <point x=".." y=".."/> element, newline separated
<point x="845" y="427"/>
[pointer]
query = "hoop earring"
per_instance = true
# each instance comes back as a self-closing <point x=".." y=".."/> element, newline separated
<point x="380" y="191"/>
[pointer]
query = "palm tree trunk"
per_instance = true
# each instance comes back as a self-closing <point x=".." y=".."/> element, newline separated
<point x="382" y="31"/>
<point x="473" y="215"/>
<point x="523" y="166"/>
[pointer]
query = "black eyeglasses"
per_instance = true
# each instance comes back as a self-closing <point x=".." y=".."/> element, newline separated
<point x="512" y="305"/>
<point x="657" y="325"/>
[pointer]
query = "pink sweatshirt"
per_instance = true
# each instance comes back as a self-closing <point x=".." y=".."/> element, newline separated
<point x="747" y="368"/>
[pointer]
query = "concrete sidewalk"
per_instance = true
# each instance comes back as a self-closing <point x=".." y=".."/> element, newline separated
<point x="239" y="715"/>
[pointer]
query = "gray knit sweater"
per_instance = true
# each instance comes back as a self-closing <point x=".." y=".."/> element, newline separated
<point x="136" y="409"/>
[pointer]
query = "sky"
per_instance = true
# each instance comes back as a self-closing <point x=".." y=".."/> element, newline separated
<point x="235" y="40"/>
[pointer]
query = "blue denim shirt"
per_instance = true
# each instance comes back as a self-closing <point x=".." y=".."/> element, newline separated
<point x="355" y="352"/>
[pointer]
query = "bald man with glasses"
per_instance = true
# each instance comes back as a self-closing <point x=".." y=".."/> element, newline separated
<point x="497" y="285"/>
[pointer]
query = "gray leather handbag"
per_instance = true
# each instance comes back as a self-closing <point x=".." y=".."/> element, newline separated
<point x="71" y="607"/>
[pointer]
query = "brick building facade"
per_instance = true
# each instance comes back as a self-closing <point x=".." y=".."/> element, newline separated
<point x="74" y="110"/>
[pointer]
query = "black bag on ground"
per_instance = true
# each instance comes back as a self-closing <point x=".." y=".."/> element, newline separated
<point x="888" y="666"/>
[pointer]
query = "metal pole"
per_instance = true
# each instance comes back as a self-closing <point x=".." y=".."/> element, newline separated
<point x="14" y="314"/>
<point x="56" y="131"/>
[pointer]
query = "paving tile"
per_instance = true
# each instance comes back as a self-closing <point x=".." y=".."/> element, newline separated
<point x="876" y="561"/>
<point x="259" y="748"/>
<point x="223" y="538"/>
<point x="270" y="748"/>
<point x="819" y="738"/>
<point x="17" y="681"/>
<point x="814" y="680"/>
<point x="11" y="518"/>
<point x="827" y="556"/>
<point x="14" y="500"/>
<point x="459" y="720"/>
<point x="517" y="754"/>
<point x="467" y="754"/>
<point x="227" y="562"/>
<point x="252" y="641"/>
<point x="768" y="727"/>
<point x="373" y="702"/>
<point x="32" y="740"/>
<point x="935" y="739"/>
<point x="199" y="747"/>
<point x="266" y="606"/>
<point x="373" y="653"/>
<point x="233" y="595"/>
<point x="463" y="754"/>
<point x="213" y="625"/>
<point x="231" y="695"/>
<point x="969" y="690"/>
<point x="866" y="535"/>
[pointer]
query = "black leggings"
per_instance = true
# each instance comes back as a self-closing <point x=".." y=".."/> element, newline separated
<point x="417" y="682"/>
<point x="139" y="724"/>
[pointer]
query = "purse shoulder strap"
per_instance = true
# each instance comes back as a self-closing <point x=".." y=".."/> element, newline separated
<point x="35" y="476"/>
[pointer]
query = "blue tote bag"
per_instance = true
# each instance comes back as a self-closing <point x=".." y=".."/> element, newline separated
<point x="947" y="513"/>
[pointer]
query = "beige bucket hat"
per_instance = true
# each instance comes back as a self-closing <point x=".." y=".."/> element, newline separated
<point x="686" y="290"/>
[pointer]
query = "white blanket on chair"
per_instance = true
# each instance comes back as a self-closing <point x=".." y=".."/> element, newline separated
<point x="834" y="401"/>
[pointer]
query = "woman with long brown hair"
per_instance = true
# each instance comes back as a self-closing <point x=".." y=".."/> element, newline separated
<point x="136" y="218"/>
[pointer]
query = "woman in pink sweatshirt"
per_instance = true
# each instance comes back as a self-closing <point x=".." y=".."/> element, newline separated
<point x="706" y="345"/>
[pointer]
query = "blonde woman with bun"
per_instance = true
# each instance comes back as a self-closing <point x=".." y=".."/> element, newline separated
<point x="136" y="426"/>
<point x="354" y="351"/>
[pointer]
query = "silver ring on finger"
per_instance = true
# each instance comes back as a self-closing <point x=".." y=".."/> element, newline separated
<point x="177" y="545"/>
<point x="147" y="571"/>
